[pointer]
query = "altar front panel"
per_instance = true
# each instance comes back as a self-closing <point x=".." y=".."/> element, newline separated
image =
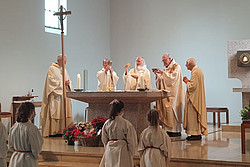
<point x="134" y="113"/>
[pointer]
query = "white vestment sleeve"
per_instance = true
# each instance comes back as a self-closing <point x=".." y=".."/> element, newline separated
<point x="104" y="136"/>
<point x="141" y="145"/>
<point x="127" y="80"/>
<point x="36" y="142"/>
<point x="131" y="139"/>
<point x="114" y="78"/>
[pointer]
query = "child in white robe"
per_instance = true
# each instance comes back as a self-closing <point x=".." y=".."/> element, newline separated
<point x="119" y="138"/>
<point x="3" y="145"/>
<point x="154" y="145"/>
<point x="25" y="139"/>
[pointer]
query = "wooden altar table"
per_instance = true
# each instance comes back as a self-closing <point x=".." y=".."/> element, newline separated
<point x="136" y="104"/>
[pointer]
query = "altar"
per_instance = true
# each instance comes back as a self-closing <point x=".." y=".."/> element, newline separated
<point x="136" y="104"/>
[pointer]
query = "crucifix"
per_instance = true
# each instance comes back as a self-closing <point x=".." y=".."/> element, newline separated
<point x="61" y="13"/>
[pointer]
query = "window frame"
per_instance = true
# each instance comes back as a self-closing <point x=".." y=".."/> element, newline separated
<point x="48" y="13"/>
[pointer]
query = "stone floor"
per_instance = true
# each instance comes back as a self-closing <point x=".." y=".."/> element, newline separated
<point x="219" y="148"/>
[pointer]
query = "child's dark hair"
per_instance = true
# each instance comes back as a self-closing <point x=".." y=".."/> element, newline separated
<point x="24" y="111"/>
<point x="116" y="107"/>
<point x="153" y="117"/>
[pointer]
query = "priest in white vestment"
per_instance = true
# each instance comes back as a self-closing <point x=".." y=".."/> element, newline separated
<point x="195" y="119"/>
<point x="138" y="77"/>
<point x="52" y="117"/>
<point x="3" y="145"/>
<point x="107" y="77"/>
<point x="171" y="109"/>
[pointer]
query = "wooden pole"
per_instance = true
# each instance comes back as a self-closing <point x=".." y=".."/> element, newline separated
<point x="63" y="71"/>
<point x="61" y="13"/>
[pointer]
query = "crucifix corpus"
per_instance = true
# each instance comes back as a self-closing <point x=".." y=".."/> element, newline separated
<point x="61" y="13"/>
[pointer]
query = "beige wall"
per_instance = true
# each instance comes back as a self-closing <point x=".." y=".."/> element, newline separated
<point x="184" y="28"/>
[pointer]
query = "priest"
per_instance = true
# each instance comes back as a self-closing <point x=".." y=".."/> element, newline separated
<point x="195" y="119"/>
<point x="52" y="117"/>
<point x="170" y="109"/>
<point x="107" y="77"/>
<point x="138" y="77"/>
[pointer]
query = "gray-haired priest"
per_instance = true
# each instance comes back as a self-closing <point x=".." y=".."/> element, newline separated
<point x="52" y="117"/>
<point x="195" y="120"/>
<point x="170" y="109"/>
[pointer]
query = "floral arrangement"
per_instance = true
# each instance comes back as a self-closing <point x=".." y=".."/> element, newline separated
<point x="71" y="133"/>
<point x="98" y="122"/>
<point x="85" y="129"/>
<point x="245" y="113"/>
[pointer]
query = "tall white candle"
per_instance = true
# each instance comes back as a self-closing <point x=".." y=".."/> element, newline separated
<point x="141" y="82"/>
<point x="78" y="81"/>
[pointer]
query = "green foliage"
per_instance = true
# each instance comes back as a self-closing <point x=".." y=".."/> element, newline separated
<point x="245" y="113"/>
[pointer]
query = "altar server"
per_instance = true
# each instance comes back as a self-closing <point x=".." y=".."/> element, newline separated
<point x="154" y="145"/>
<point x="119" y="138"/>
<point x="25" y="139"/>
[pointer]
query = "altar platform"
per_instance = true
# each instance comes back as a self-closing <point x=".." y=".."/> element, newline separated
<point x="218" y="149"/>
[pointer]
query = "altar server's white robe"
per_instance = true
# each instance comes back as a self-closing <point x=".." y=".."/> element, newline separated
<point x="171" y="109"/>
<point x="52" y="113"/>
<point x="160" y="154"/>
<point x="3" y="145"/>
<point x="195" y="120"/>
<point x="120" y="141"/>
<point x="132" y="83"/>
<point x="25" y="137"/>
<point x="106" y="81"/>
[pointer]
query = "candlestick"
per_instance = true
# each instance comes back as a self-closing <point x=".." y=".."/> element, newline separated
<point x="78" y="81"/>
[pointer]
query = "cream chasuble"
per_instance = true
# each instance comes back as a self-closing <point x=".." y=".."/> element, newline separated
<point x="106" y="81"/>
<point x="52" y="113"/>
<point x="132" y="83"/>
<point x="195" y="104"/>
<point x="171" y="109"/>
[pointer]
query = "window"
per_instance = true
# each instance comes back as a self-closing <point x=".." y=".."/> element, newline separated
<point x="52" y="23"/>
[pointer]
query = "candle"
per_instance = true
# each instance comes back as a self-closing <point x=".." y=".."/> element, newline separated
<point x="78" y="81"/>
<point x="141" y="82"/>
